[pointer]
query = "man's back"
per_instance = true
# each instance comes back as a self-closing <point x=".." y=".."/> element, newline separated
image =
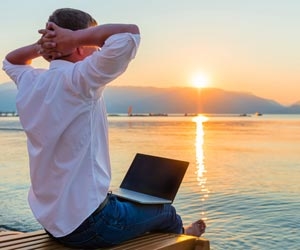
<point x="63" y="114"/>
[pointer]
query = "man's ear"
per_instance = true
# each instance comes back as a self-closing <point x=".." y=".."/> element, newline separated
<point x="80" y="51"/>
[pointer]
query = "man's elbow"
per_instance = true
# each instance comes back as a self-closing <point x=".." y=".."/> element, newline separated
<point x="14" y="58"/>
<point x="134" y="29"/>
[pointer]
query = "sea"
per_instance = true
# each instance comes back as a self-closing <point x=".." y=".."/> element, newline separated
<point x="243" y="178"/>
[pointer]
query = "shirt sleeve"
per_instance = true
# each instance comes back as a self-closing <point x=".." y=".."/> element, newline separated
<point x="90" y="75"/>
<point x="15" y="71"/>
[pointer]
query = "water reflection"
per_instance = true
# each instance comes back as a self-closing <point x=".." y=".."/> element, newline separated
<point x="200" y="166"/>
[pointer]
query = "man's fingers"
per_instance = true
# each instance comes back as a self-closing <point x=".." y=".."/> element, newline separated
<point x="50" y="34"/>
<point x="48" y="49"/>
<point x="42" y="31"/>
<point x="56" y="55"/>
<point x="48" y="45"/>
<point x="51" y="26"/>
<point x="47" y="33"/>
<point x="50" y="55"/>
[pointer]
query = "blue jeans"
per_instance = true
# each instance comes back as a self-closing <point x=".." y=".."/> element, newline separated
<point x="121" y="220"/>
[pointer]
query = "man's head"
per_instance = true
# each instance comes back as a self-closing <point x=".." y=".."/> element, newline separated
<point x="72" y="19"/>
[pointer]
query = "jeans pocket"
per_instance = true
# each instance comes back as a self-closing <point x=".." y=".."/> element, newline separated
<point x="112" y="216"/>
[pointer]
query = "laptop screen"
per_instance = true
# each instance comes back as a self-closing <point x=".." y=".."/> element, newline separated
<point x="156" y="176"/>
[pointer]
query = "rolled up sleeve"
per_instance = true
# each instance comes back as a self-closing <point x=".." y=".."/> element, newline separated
<point x="105" y="65"/>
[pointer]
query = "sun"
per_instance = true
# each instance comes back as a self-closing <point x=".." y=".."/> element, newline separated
<point x="200" y="80"/>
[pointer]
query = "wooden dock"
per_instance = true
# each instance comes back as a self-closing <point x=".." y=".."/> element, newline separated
<point x="158" y="241"/>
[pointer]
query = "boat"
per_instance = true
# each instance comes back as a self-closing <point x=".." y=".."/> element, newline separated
<point x="190" y="114"/>
<point x="40" y="240"/>
<point x="245" y="115"/>
<point x="158" y="114"/>
<point x="130" y="113"/>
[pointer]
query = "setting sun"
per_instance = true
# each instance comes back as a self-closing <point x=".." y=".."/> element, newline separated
<point x="200" y="80"/>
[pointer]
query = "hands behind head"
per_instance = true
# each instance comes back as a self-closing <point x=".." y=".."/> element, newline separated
<point x="56" y="42"/>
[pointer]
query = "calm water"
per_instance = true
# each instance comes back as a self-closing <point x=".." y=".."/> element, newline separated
<point x="243" y="177"/>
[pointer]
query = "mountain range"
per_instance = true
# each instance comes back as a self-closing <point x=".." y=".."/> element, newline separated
<point x="174" y="100"/>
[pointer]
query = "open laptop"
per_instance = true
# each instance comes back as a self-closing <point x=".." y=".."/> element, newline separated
<point x="152" y="179"/>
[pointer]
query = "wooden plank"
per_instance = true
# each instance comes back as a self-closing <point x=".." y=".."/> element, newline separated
<point x="9" y="233"/>
<point x="36" y="244"/>
<point x="144" y="240"/>
<point x="158" y="241"/>
<point x="6" y="241"/>
<point x="32" y="240"/>
<point x="202" y="244"/>
<point x="6" y="237"/>
<point x="176" y="243"/>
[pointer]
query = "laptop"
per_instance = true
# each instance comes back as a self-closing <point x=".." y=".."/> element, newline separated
<point x="152" y="179"/>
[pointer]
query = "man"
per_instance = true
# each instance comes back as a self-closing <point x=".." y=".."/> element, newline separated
<point x="63" y="115"/>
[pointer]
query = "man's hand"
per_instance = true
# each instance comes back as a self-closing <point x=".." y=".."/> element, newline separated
<point x="56" y="42"/>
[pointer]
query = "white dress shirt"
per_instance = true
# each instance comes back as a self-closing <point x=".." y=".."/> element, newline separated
<point x="63" y="115"/>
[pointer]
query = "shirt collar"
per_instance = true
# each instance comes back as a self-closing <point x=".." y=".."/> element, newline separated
<point x="59" y="63"/>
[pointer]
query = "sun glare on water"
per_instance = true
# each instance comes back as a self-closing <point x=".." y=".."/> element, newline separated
<point x="200" y="80"/>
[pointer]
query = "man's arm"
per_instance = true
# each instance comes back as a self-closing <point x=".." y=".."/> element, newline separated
<point x="97" y="35"/>
<point x="24" y="55"/>
<point x="56" y="42"/>
<point x="59" y="41"/>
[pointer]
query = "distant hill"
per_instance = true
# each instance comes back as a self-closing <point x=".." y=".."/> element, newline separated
<point x="173" y="100"/>
<point x="191" y="100"/>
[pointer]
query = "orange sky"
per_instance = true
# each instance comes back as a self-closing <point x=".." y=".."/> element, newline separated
<point x="249" y="46"/>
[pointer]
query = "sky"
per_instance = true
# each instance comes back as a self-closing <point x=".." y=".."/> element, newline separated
<point x="237" y="45"/>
